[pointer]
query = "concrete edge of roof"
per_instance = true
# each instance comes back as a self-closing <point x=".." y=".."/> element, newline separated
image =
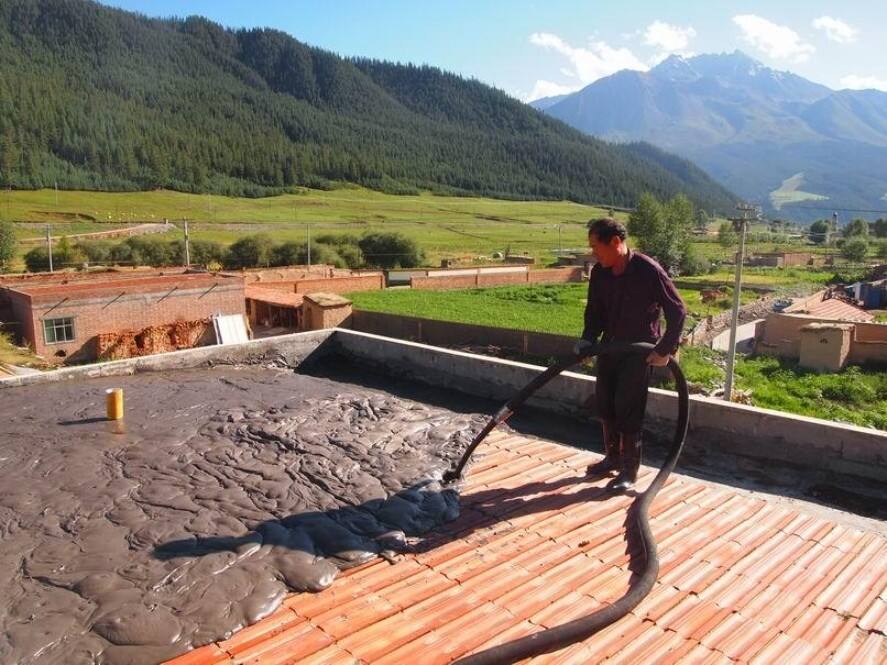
<point x="734" y="429"/>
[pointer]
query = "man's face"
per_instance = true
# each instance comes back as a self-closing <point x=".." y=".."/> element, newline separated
<point x="607" y="252"/>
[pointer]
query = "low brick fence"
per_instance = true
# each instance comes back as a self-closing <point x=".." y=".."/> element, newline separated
<point x="371" y="282"/>
<point x="480" y="279"/>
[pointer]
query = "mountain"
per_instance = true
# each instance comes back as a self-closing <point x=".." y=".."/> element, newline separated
<point x="546" y="102"/>
<point x="98" y="98"/>
<point x="771" y="136"/>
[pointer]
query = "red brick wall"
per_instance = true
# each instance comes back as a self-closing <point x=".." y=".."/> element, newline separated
<point x="20" y="306"/>
<point x="556" y="275"/>
<point x="440" y="283"/>
<point x="545" y="276"/>
<point x="131" y="312"/>
<point x="341" y="284"/>
<point x="502" y="279"/>
<point x="279" y="286"/>
<point x="285" y="273"/>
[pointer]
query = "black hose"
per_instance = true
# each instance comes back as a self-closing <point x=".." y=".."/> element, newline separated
<point x="580" y="629"/>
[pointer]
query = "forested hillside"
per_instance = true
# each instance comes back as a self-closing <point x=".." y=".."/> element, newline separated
<point x="97" y="98"/>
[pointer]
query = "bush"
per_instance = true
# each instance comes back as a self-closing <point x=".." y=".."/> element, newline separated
<point x="8" y="245"/>
<point x="96" y="252"/>
<point x="818" y="231"/>
<point x="122" y="254"/>
<point x="855" y="249"/>
<point x="390" y="250"/>
<point x="693" y="263"/>
<point x="37" y="260"/>
<point x="148" y="251"/>
<point x="727" y="236"/>
<point x="63" y="256"/>
<point x="351" y="255"/>
<point x="250" y="252"/>
<point x="203" y="252"/>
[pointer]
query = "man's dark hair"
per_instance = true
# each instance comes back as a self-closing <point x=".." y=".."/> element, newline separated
<point x="607" y="228"/>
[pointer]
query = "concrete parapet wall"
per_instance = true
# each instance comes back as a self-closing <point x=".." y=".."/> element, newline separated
<point x="714" y="424"/>
<point x="449" y="333"/>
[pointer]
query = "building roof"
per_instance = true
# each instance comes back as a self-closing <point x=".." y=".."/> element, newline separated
<point x="274" y="296"/>
<point x="831" y="308"/>
<point x="114" y="285"/>
<point x="744" y="578"/>
<point x="328" y="299"/>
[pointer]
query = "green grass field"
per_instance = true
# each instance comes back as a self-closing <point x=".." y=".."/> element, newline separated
<point x="444" y="226"/>
<point x="858" y="395"/>
<point x="554" y="308"/>
<point x="790" y="192"/>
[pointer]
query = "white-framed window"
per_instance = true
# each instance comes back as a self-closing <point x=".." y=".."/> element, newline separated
<point x="56" y="331"/>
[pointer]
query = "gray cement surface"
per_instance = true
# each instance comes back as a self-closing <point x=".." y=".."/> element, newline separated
<point x="222" y="490"/>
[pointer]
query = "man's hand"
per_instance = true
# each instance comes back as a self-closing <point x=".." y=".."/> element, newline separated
<point x="656" y="360"/>
<point x="582" y="346"/>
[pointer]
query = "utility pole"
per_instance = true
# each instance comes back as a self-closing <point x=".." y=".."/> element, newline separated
<point x="308" y="233"/>
<point x="740" y="224"/>
<point x="187" y="246"/>
<point x="559" y="247"/>
<point x="49" y="247"/>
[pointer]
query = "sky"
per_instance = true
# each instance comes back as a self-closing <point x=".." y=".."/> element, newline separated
<point x="536" y="48"/>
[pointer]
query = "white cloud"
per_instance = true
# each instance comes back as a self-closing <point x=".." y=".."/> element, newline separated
<point x="587" y="64"/>
<point x="550" y="89"/>
<point x="777" y="41"/>
<point x="669" y="38"/>
<point x="836" y="29"/>
<point x="855" y="82"/>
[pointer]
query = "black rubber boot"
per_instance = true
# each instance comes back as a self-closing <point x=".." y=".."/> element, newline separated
<point x="630" y="463"/>
<point x="611" y="452"/>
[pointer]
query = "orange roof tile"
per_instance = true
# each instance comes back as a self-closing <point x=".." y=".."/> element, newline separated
<point x="741" y="580"/>
<point x="832" y="308"/>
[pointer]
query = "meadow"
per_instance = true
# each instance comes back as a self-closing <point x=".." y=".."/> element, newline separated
<point x="552" y="308"/>
<point x="445" y="227"/>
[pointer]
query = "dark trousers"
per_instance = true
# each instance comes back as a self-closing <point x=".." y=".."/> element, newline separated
<point x="621" y="390"/>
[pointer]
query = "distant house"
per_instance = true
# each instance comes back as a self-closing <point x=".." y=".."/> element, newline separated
<point x="786" y="259"/>
<point x="824" y="332"/>
<point x="76" y="320"/>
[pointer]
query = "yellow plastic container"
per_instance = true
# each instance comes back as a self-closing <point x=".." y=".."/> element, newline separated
<point x="115" y="403"/>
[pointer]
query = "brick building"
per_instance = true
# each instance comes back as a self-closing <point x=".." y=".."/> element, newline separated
<point x="63" y="321"/>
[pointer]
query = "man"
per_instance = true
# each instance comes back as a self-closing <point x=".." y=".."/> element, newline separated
<point x="627" y="293"/>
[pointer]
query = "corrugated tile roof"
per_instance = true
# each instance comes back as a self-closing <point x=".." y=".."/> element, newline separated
<point x="832" y="308"/>
<point x="742" y="579"/>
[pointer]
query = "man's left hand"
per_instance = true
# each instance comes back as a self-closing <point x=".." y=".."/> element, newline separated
<point x="657" y="360"/>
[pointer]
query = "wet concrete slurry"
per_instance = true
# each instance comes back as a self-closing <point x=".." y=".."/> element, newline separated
<point x="222" y="490"/>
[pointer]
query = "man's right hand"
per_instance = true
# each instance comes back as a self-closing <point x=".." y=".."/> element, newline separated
<point x="582" y="346"/>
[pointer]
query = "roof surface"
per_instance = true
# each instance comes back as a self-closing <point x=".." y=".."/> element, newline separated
<point x="128" y="285"/>
<point x="743" y="578"/>
<point x="274" y="296"/>
<point x="832" y="308"/>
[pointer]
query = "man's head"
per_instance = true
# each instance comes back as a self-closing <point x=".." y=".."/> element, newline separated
<point x="606" y="237"/>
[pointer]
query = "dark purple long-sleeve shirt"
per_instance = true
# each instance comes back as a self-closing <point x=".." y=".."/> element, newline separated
<point x="627" y="307"/>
